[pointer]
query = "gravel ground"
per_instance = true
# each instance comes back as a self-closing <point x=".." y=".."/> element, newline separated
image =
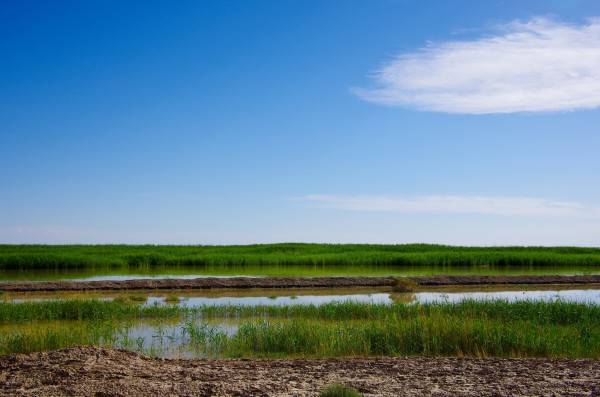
<point x="91" y="371"/>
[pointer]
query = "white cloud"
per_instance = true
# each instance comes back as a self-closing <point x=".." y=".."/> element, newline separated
<point x="488" y="205"/>
<point x="536" y="66"/>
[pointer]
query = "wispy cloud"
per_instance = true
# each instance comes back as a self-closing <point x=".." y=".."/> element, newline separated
<point x="536" y="66"/>
<point x="489" y="205"/>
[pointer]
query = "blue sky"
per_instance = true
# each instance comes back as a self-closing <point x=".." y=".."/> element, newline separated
<point x="236" y="122"/>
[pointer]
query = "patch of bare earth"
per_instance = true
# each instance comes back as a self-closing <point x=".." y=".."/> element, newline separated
<point x="90" y="371"/>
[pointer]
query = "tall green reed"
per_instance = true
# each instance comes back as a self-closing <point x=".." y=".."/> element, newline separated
<point x="25" y="257"/>
<point x="468" y="328"/>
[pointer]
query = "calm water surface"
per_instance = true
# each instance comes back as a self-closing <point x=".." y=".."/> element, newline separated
<point x="281" y="297"/>
<point x="275" y="271"/>
<point x="179" y="340"/>
<point x="195" y="337"/>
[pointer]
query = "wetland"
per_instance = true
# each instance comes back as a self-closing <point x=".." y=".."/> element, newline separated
<point x="304" y="306"/>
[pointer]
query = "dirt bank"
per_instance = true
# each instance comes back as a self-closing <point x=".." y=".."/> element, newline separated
<point x="288" y="282"/>
<point x="90" y="371"/>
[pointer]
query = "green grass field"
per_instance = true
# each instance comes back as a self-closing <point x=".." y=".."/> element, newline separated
<point x="31" y="257"/>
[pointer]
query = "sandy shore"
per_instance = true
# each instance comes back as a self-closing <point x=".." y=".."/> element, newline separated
<point x="91" y="371"/>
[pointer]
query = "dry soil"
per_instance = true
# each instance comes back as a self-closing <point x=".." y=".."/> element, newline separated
<point x="91" y="371"/>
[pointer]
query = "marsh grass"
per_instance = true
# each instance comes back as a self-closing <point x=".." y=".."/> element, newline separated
<point x="83" y="310"/>
<point x="24" y="257"/>
<point x="428" y="336"/>
<point x="469" y="328"/>
<point x="556" y="312"/>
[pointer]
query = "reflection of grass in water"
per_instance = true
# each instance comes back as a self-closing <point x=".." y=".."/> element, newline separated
<point x="172" y="299"/>
<point x="132" y="298"/>
<point x="405" y="297"/>
<point x="290" y="271"/>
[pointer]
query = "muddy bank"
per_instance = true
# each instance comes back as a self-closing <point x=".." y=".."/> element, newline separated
<point x="90" y="371"/>
<point x="289" y="282"/>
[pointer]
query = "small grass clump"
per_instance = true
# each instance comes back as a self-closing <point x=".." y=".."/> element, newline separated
<point x="339" y="390"/>
<point x="404" y="284"/>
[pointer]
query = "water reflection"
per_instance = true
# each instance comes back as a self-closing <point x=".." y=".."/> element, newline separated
<point x="133" y="273"/>
<point x="579" y="296"/>
<point x="275" y="300"/>
<point x="197" y="337"/>
<point x="282" y="297"/>
<point x="576" y="295"/>
<point x="189" y="338"/>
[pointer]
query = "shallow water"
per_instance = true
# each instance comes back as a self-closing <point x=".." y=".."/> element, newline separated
<point x="281" y="297"/>
<point x="580" y="296"/>
<point x="178" y="339"/>
<point x="276" y="271"/>
<point x="196" y="336"/>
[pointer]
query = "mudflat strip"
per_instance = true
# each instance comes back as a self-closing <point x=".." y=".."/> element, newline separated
<point x="289" y="282"/>
<point x="91" y="371"/>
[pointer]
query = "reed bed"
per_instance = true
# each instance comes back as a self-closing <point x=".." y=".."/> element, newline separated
<point x="432" y="335"/>
<point x="82" y="309"/>
<point x="541" y="312"/>
<point x="27" y="257"/>
<point x="469" y="328"/>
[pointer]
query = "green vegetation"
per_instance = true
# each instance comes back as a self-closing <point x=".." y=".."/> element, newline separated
<point x="83" y="310"/>
<point x="338" y="390"/>
<point x="23" y="257"/>
<point x="404" y="284"/>
<point x="470" y="328"/>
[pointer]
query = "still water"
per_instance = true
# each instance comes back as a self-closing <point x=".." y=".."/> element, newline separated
<point x="195" y="337"/>
<point x="281" y="297"/>
<point x="198" y="337"/>
<point x="277" y="271"/>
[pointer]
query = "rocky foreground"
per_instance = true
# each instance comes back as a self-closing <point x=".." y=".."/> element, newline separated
<point x="91" y="371"/>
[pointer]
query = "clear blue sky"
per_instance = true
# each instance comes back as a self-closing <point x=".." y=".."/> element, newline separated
<point x="224" y="122"/>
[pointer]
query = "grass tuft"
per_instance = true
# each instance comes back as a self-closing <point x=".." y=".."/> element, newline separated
<point x="404" y="284"/>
